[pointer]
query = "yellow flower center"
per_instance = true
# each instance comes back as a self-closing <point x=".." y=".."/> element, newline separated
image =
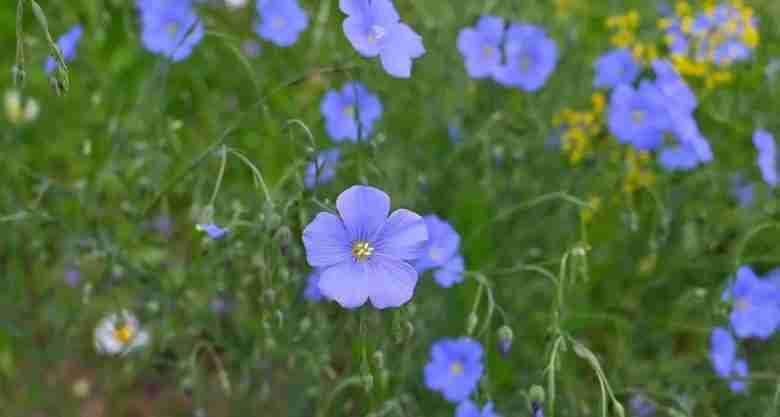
<point x="456" y="368"/>
<point x="488" y="51"/>
<point x="742" y="303"/>
<point x="525" y="63"/>
<point x="361" y="250"/>
<point x="638" y="116"/>
<point x="377" y="33"/>
<point x="277" y="22"/>
<point x="349" y="111"/>
<point x="123" y="334"/>
<point x="172" y="28"/>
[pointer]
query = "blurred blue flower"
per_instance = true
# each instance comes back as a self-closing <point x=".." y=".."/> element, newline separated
<point x="212" y="230"/>
<point x="364" y="254"/>
<point x="755" y="312"/>
<point x="638" y="116"/>
<point x="740" y="370"/>
<point x="767" y="156"/>
<point x="312" y="290"/>
<point x="468" y="408"/>
<point x="443" y="244"/>
<point x="481" y="46"/>
<point x="615" y="67"/>
<point x="250" y="48"/>
<point x="72" y="276"/>
<point x="170" y="27"/>
<point x="723" y="350"/>
<point x="67" y="44"/>
<point x="531" y="57"/>
<point x="742" y="190"/>
<point x="538" y="410"/>
<point x="323" y="169"/>
<point x="341" y="110"/>
<point x="281" y="21"/>
<point x="374" y="27"/>
<point x="641" y="406"/>
<point x="450" y="273"/>
<point x="455" y="368"/>
<point x="674" y="87"/>
<point x="678" y="158"/>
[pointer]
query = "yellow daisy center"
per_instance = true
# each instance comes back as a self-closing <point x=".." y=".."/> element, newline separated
<point x="123" y="334"/>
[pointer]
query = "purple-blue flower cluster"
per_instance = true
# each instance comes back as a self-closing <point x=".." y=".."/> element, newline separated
<point x="343" y="109"/>
<point x="68" y="43"/>
<point x="362" y="254"/>
<point x="281" y="21"/>
<point x="442" y="253"/>
<point x="723" y="355"/>
<point x="644" y="116"/>
<point x="374" y="28"/>
<point x="170" y="28"/>
<point x="528" y="58"/>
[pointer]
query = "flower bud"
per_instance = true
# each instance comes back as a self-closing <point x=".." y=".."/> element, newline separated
<point x="536" y="393"/>
<point x="471" y="323"/>
<point x="505" y="338"/>
<point x="378" y="359"/>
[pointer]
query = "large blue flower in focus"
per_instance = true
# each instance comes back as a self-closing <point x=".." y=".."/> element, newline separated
<point x="363" y="254"/>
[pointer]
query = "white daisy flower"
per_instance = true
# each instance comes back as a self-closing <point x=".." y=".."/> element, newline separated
<point x="119" y="334"/>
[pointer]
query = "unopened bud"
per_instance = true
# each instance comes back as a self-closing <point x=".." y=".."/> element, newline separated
<point x="505" y="338"/>
<point x="378" y="359"/>
<point x="471" y="323"/>
<point x="19" y="76"/>
<point x="368" y="382"/>
<point x="619" y="410"/>
<point x="536" y="393"/>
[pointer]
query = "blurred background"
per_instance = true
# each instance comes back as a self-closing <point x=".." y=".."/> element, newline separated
<point x="104" y="186"/>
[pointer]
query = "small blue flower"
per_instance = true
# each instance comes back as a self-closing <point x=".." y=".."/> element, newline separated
<point x="72" y="276"/>
<point x="468" y="408"/>
<point x="67" y="44"/>
<point x="641" y="406"/>
<point x="323" y="169"/>
<point x="374" y="27"/>
<point x="614" y="68"/>
<point x="312" y="290"/>
<point x="755" y="312"/>
<point x="678" y="158"/>
<point x="281" y="21"/>
<point x="212" y="230"/>
<point x="341" y="110"/>
<point x="531" y="57"/>
<point x="450" y="273"/>
<point x="170" y="27"/>
<point x="723" y="350"/>
<point x="767" y="156"/>
<point x="639" y="116"/>
<point x="441" y="253"/>
<point x="363" y="254"/>
<point x="740" y="370"/>
<point x="481" y="46"/>
<point x="742" y="190"/>
<point x="455" y="368"/>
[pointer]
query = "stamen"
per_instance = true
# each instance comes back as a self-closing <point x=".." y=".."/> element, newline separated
<point x="361" y="250"/>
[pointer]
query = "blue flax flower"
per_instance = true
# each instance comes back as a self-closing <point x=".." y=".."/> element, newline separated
<point x="469" y="409"/>
<point x="455" y="368"/>
<point x="755" y="312"/>
<point x="614" y="68"/>
<point x="674" y="87"/>
<point x="281" y="21"/>
<point x="531" y="57"/>
<point x="212" y="230"/>
<point x="481" y="46"/>
<point x="441" y="252"/>
<point x="742" y="190"/>
<point x="639" y="116"/>
<point x="641" y="406"/>
<point x="67" y="44"/>
<point x="323" y="169"/>
<point x="341" y="110"/>
<point x="170" y="27"/>
<point x="374" y="27"/>
<point x="723" y="352"/>
<point x="364" y="254"/>
<point x="312" y="290"/>
<point x="767" y="156"/>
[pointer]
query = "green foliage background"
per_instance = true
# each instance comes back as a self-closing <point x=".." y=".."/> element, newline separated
<point x="137" y="138"/>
